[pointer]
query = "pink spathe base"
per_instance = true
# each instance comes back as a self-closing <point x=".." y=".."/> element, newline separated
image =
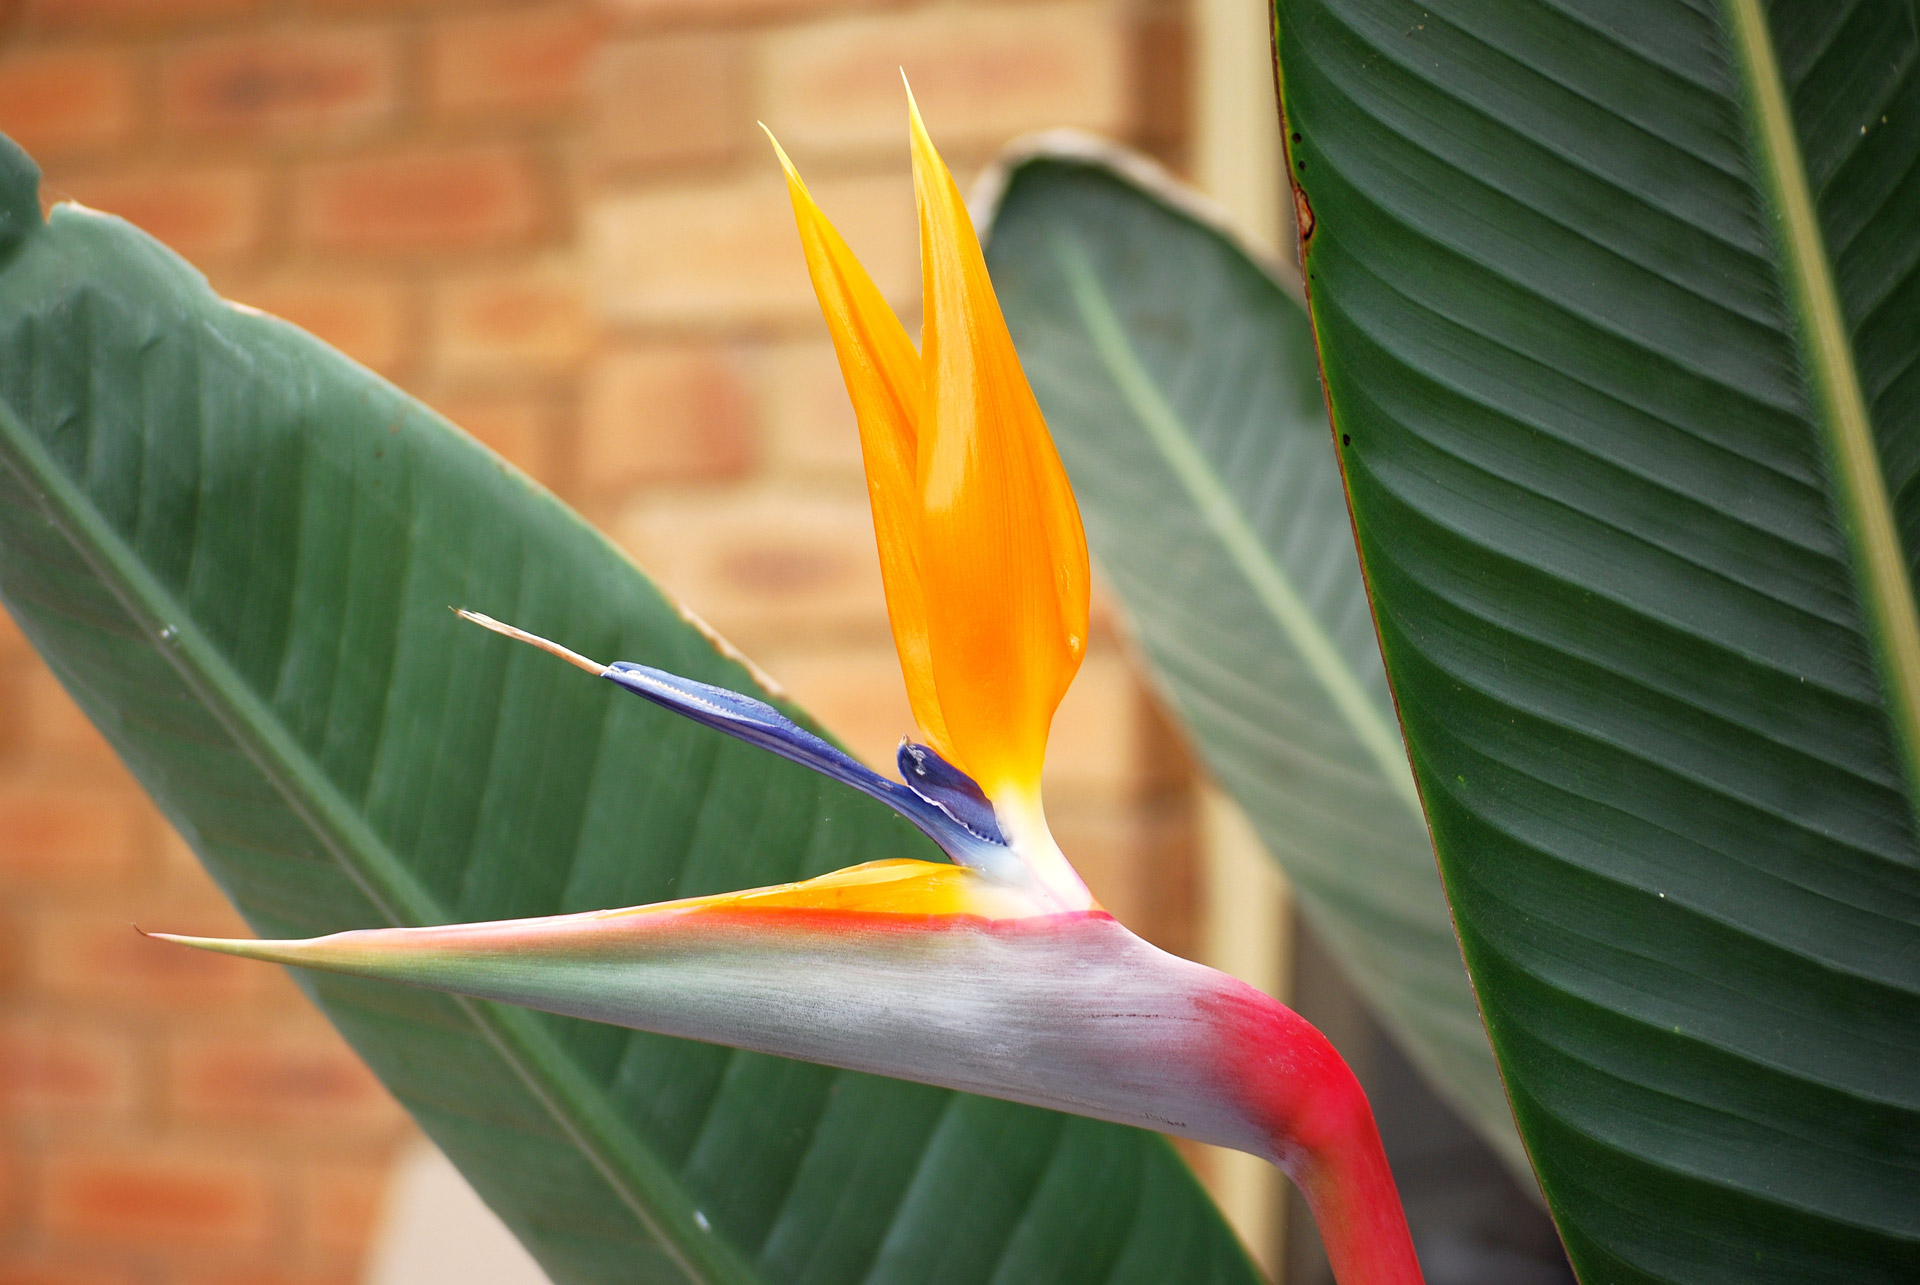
<point x="1066" y="1011"/>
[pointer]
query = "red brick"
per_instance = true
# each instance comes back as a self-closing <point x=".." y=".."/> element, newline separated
<point x="54" y="100"/>
<point x="340" y="1204"/>
<point x="1162" y="51"/>
<point x="528" y="319"/>
<point x="186" y="899"/>
<point x="291" y="83"/>
<point x="201" y="212"/>
<point x="857" y="693"/>
<point x="301" y="1081"/>
<point x="670" y="99"/>
<point x="519" y="427"/>
<point x="1095" y="747"/>
<point x="649" y="12"/>
<point x="981" y="75"/>
<point x="59" y="731"/>
<point x="152" y="1195"/>
<point x="13" y="957"/>
<point x="666" y="414"/>
<point x="469" y="198"/>
<point x="45" y="1270"/>
<point x="1103" y="844"/>
<point x="13" y="643"/>
<point x="132" y="13"/>
<point x="365" y="318"/>
<point x="341" y="1270"/>
<point x="727" y="254"/>
<point x="384" y="7"/>
<point x="515" y="61"/>
<point x="91" y="959"/>
<point x="55" y="833"/>
<point x="13" y="1186"/>
<point x="810" y="424"/>
<point x="64" y="1067"/>
<point x="14" y="730"/>
<point x="764" y="569"/>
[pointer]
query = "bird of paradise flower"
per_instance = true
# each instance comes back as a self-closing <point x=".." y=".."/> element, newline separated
<point x="998" y="974"/>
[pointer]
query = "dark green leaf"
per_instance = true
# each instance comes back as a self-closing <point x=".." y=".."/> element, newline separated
<point x="237" y="550"/>
<point x="1619" y="306"/>
<point x="1179" y="380"/>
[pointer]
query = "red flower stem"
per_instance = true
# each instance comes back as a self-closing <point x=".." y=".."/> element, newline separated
<point x="1321" y="1131"/>
<point x="1355" y="1203"/>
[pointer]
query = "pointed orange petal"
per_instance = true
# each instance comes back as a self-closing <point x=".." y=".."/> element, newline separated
<point x="883" y="376"/>
<point x="1003" y="555"/>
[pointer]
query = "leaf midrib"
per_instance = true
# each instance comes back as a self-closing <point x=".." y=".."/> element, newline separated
<point x="638" y="1178"/>
<point x="1271" y="585"/>
<point x="1861" y="498"/>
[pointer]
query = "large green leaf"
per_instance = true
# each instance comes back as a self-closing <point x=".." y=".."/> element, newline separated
<point x="1619" y="309"/>
<point x="1179" y="380"/>
<point x="237" y="551"/>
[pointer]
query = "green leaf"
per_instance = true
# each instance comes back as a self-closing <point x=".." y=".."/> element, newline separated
<point x="1619" y="308"/>
<point x="1178" y="376"/>
<point x="237" y="551"/>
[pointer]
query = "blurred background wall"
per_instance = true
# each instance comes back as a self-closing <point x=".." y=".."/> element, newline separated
<point x="557" y="223"/>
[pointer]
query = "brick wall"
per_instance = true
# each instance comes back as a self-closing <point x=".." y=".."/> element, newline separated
<point x="557" y="223"/>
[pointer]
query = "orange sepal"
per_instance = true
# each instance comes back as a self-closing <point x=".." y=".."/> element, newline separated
<point x="884" y="381"/>
<point x="1003" y="556"/>
<point x="916" y="889"/>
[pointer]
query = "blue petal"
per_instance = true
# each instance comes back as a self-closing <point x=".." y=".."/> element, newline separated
<point x="949" y="789"/>
<point x="944" y="803"/>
